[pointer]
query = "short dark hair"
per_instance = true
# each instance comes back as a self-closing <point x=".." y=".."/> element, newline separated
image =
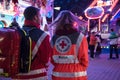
<point x="30" y="12"/>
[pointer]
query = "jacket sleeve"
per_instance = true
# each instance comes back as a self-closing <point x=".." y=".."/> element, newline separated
<point x="83" y="53"/>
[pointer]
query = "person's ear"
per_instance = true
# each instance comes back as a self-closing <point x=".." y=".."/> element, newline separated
<point x="35" y="18"/>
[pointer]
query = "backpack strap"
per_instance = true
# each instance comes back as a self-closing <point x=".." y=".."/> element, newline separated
<point x="25" y="50"/>
<point x="35" y="50"/>
<point x="26" y="33"/>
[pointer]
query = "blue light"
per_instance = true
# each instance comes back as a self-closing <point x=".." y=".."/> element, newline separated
<point x="116" y="16"/>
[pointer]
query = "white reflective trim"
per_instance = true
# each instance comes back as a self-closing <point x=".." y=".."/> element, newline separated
<point x="38" y="44"/>
<point x="64" y="59"/>
<point x="78" y="43"/>
<point x="33" y="72"/>
<point x="68" y="74"/>
<point x="39" y="78"/>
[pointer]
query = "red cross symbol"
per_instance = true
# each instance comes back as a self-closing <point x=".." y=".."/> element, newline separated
<point x="62" y="44"/>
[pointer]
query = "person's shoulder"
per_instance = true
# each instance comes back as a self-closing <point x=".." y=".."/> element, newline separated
<point x="42" y="32"/>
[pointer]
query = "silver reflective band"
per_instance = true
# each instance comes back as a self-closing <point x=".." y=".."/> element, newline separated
<point x="78" y="43"/>
<point x="64" y="59"/>
<point x="39" y="78"/>
<point x="71" y="75"/>
<point x="38" y="44"/>
<point x="33" y="72"/>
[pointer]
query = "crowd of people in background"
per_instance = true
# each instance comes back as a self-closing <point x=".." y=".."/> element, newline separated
<point x="95" y="44"/>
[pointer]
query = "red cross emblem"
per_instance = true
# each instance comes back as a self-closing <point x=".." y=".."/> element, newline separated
<point x="63" y="44"/>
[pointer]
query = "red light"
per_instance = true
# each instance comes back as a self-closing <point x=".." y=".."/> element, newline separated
<point x="75" y="24"/>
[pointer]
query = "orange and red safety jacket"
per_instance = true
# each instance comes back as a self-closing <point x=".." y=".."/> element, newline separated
<point x="70" y="57"/>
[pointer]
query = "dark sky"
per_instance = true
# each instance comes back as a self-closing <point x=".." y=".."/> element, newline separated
<point x="76" y="6"/>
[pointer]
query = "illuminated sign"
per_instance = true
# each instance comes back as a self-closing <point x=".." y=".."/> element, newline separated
<point x="94" y="12"/>
<point x="104" y="3"/>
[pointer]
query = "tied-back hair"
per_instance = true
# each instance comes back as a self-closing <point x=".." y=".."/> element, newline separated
<point x="65" y="20"/>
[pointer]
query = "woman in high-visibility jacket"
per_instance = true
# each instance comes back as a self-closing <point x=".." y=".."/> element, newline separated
<point x="70" y="48"/>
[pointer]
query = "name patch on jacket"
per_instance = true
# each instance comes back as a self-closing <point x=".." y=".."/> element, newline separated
<point x="63" y="44"/>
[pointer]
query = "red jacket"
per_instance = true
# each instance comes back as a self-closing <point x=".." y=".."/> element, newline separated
<point x="93" y="40"/>
<point x="38" y="70"/>
<point x="70" y="60"/>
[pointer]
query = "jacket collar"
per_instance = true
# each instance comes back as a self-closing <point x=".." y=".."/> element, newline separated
<point x="31" y="23"/>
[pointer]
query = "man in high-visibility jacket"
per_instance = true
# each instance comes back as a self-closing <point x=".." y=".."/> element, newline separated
<point x="41" y="48"/>
<point x="70" y="49"/>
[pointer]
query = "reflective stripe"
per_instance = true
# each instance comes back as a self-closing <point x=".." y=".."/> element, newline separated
<point x="39" y="78"/>
<point x="38" y="44"/>
<point x="70" y="75"/>
<point x="33" y="72"/>
<point x="78" y="43"/>
<point x="64" y="59"/>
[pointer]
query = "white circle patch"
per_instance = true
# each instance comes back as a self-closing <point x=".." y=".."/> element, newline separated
<point x="63" y="44"/>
